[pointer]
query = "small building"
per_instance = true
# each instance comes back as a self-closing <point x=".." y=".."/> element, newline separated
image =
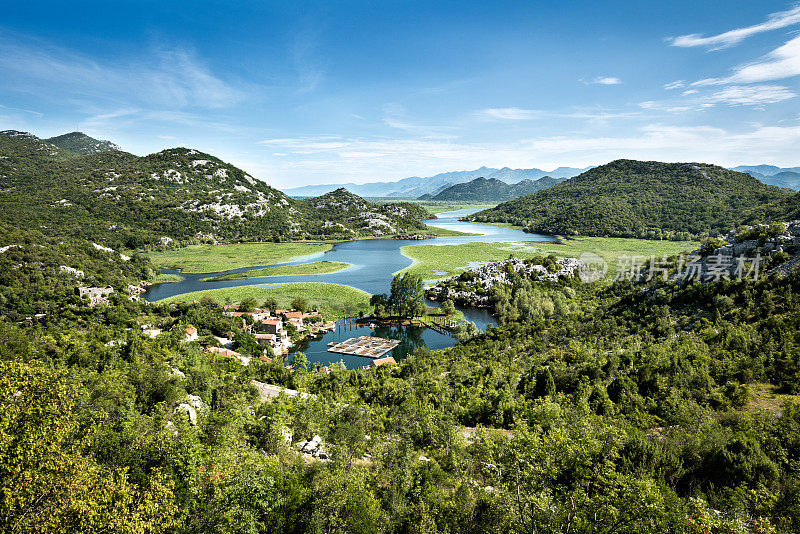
<point x="383" y="361"/>
<point x="191" y="334"/>
<point x="96" y="295"/>
<point x="271" y="326"/>
<point x="293" y="316"/>
<point x="228" y="353"/>
<point x="152" y="332"/>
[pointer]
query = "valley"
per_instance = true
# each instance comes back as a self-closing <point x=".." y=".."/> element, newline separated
<point x="200" y="316"/>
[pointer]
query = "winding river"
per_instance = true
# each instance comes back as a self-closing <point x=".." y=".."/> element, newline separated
<point x="373" y="263"/>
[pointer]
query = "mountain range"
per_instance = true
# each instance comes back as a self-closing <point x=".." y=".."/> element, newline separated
<point x="417" y="186"/>
<point x="627" y="198"/>
<point x="491" y="190"/>
<point x="770" y="174"/>
<point x="178" y="194"/>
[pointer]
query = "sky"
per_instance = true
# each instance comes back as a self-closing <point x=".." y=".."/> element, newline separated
<point x="300" y="93"/>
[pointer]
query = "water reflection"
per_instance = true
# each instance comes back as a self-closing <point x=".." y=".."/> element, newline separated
<point x="410" y="337"/>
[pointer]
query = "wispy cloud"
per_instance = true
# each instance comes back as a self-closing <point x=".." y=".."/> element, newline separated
<point x="603" y="80"/>
<point x="734" y="95"/>
<point x="752" y="95"/>
<point x="310" y="72"/>
<point x="510" y="114"/>
<point x="674" y="85"/>
<point x="364" y="159"/>
<point x="28" y="111"/>
<point x="774" y="21"/>
<point x="783" y="62"/>
<point x="168" y="77"/>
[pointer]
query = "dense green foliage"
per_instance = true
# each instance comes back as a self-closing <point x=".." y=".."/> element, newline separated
<point x="785" y="209"/>
<point x="618" y="410"/>
<point x="628" y="198"/>
<point x="491" y="190"/>
<point x="121" y="200"/>
<point x="39" y="273"/>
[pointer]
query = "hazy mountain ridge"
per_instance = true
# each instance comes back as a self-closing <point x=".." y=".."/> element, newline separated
<point x="773" y="175"/>
<point x="417" y="186"/>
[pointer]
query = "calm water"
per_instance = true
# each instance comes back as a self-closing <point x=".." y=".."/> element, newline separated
<point x="374" y="262"/>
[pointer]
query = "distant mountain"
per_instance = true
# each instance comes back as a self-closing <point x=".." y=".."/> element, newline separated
<point x="640" y="199"/>
<point x="492" y="190"/>
<point x="772" y="175"/>
<point x="417" y="186"/>
<point x="80" y="143"/>
<point x="123" y="200"/>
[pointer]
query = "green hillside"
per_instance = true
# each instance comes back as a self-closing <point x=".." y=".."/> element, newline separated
<point x="627" y="198"/>
<point x="176" y="195"/>
<point x="785" y="209"/>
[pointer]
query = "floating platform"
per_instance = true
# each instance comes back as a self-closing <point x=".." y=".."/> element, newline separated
<point x="367" y="346"/>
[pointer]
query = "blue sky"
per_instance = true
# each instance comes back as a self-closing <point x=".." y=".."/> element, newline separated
<point x="299" y="93"/>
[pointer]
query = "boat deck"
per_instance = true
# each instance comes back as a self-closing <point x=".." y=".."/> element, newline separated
<point x="367" y="346"/>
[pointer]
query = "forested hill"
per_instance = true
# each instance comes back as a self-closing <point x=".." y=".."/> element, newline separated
<point x="640" y="199"/>
<point x="176" y="195"/>
<point x="492" y="190"/>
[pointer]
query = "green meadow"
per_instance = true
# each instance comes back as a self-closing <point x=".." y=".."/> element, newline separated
<point x="333" y="300"/>
<point x="215" y="258"/>
<point x="432" y="261"/>
<point x="317" y="267"/>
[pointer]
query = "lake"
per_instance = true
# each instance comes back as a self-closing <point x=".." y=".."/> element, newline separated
<point x="373" y="264"/>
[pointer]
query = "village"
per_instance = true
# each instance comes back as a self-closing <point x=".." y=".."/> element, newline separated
<point x="277" y="329"/>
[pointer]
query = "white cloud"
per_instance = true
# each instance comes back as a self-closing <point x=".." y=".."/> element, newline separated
<point x="734" y="95"/>
<point x="752" y="95"/>
<point x="514" y="114"/>
<point x="674" y="85"/>
<point x="166" y="78"/>
<point x="774" y="21"/>
<point x="603" y="80"/>
<point x="783" y="62"/>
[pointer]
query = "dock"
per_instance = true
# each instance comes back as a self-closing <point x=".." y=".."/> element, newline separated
<point x="368" y="346"/>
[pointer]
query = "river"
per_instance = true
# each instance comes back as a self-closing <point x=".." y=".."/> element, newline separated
<point x="373" y="263"/>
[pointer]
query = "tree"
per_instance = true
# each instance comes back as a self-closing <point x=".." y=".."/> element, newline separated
<point x="248" y="304"/>
<point x="448" y="308"/>
<point x="300" y="362"/>
<point x="406" y="292"/>
<point x="47" y="481"/>
<point x="271" y="303"/>
<point x="299" y="303"/>
<point x="466" y="331"/>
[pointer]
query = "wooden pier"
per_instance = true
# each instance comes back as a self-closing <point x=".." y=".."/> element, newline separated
<point x="370" y="347"/>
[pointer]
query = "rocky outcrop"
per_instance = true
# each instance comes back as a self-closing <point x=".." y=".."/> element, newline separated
<point x="471" y="287"/>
